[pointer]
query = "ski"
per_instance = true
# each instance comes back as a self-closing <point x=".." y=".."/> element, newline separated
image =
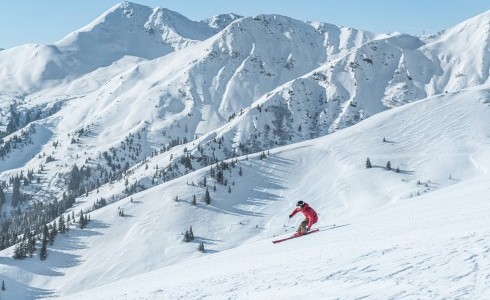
<point x="295" y="236"/>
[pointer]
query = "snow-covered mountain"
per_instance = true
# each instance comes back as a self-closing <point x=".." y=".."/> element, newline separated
<point x="185" y="94"/>
<point x="127" y="29"/>
<point x="144" y="110"/>
<point x="462" y="55"/>
<point x="433" y="208"/>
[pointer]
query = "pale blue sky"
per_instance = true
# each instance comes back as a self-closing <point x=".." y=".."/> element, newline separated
<point x="47" y="21"/>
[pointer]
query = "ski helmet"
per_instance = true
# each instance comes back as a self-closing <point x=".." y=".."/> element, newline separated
<point x="300" y="203"/>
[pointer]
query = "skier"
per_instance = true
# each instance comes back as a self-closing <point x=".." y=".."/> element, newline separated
<point x="311" y="217"/>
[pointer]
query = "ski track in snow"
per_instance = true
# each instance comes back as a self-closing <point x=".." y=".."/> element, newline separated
<point x="430" y="273"/>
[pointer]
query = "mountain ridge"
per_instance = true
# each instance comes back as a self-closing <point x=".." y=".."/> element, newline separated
<point x="234" y="74"/>
<point x="257" y="108"/>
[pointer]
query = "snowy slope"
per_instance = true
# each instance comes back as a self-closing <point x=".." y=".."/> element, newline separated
<point x="433" y="247"/>
<point x="429" y="141"/>
<point x="148" y="99"/>
<point x="421" y="240"/>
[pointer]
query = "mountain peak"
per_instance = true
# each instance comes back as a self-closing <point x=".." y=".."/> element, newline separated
<point x="125" y="9"/>
<point x="219" y="22"/>
<point x="127" y="20"/>
<point x="170" y="23"/>
<point x="476" y="24"/>
<point x="131" y="29"/>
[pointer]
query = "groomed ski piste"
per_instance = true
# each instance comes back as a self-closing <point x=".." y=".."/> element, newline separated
<point x="420" y="233"/>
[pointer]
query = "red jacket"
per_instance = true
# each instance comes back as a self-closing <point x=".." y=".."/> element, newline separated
<point x="309" y="213"/>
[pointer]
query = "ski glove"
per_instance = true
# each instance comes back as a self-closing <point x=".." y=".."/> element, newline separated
<point x="290" y="216"/>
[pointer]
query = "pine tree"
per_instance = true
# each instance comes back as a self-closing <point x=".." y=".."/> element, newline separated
<point x="51" y="236"/>
<point x="16" y="196"/>
<point x="2" y="197"/>
<point x="45" y="231"/>
<point x="201" y="247"/>
<point x="44" y="243"/>
<point x="31" y="244"/>
<point x="207" y="197"/>
<point x="75" y="179"/>
<point x="191" y="233"/>
<point x="3" y="285"/>
<point x="262" y="156"/>
<point x="81" y="221"/>
<point x="220" y="176"/>
<point x="44" y="250"/>
<point x="368" y="163"/>
<point x="20" y="251"/>
<point x="388" y="166"/>
<point x="55" y="229"/>
<point x="187" y="238"/>
<point x="194" y="200"/>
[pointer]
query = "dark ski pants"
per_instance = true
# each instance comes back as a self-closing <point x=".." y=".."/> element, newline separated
<point x="302" y="226"/>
